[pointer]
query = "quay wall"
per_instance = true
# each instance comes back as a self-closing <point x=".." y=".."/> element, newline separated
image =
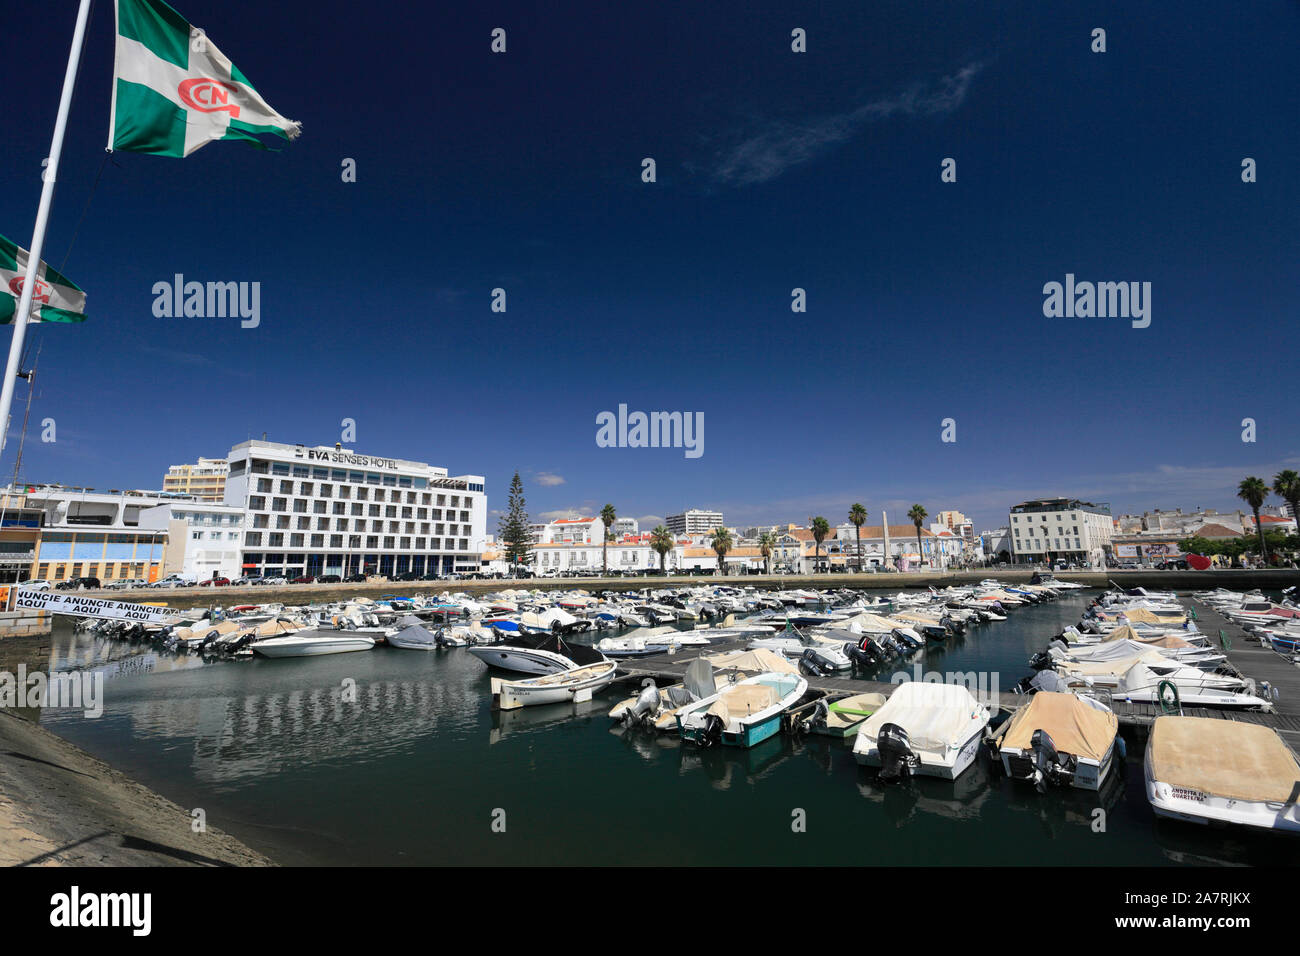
<point x="25" y="623"/>
<point x="181" y="598"/>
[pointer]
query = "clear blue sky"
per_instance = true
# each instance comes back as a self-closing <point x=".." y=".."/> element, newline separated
<point x="775" y="170"/>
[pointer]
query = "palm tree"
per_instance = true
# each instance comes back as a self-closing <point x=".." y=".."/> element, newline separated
<point x="858" y="515"/>
<point x="1287" y="486"/>
<point x="608" y="517"/>
<point x="917" y="514"/>
<point x="820" y="529"/>
<point x="662" y="541"/>
<point x="721" y="545"/>
<point x="1253" y="491"/>
<point x="766" y="545"/>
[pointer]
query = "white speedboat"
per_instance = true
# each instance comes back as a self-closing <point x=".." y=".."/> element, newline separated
<point x="411" y="635"/>
<point x="1060" y="740"/>
<point x="1207" y="770"/>
<point x="576" y="684"/>
<point x="923" y="729"/>
<point x="528" y="654"/>
<point x="313" y="644"/>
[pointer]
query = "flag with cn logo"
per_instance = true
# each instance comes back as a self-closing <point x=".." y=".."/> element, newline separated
<point x="173" y="91"/>
<point x="54" y="299"/>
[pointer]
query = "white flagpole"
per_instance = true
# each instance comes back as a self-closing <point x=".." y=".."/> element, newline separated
<point x="50" y="176"/>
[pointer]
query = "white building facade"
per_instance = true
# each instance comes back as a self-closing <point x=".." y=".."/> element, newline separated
<point x="203" y="539"/>
<point x="1051" y="528"/>
<point x="693" y="521"/>
<point x="328" y="510"/>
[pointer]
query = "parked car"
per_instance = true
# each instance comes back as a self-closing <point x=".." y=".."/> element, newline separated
<point x="303" y="579"/>
<point x="356" y="578"/>
<point x="215" y="582"/>
<point x="275" y="579"/>
<point x="76" y="584"/>
<point x="38" y="584"/>
<point x="249" y="580"/>
<point x="329" y="579"/>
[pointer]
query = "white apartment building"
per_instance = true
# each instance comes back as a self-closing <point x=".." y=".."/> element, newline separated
<point x="205" y="479"/>
<point x="328" y="510"/>
<point x="694" y="521"/>
<point x="203" y="539"/>
<point x="624" y="526"/>
<point x="1051" y="528"/>
<point x="573" y="530"/>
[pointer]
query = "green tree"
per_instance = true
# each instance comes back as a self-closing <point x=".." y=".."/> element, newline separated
<point x="820" y="529"/>
<point x="607" y="516"/>
<point x="513" y="527"/>
<point x="662" y="541"/>
<point x="1253" y="491"/>
<point x="766" y="545"/>
<point x="917" y="514"/>
<point x="858" y="515"/>
<point x="721" y="543"/>
<point x="1286" y="484"/>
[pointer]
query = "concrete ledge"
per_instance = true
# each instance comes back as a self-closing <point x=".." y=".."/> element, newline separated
<point x="25" y="623"/>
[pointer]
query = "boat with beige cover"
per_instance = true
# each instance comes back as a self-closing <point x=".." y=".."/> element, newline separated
<point x="1061" y="740"/>
<point x="1207" y="770"/>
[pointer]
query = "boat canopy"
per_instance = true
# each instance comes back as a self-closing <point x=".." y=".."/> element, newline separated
<point x="1075" y="728"/>
<point x="935" y="716"/>
<point x="1119" y="650"/>
<point x="759" y="661"/>
<point x="1223" y="758"/>
<point x="1143" y="616"/>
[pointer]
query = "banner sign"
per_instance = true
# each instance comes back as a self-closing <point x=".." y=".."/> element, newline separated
<point x="92" y="607"/>
<point x="1126" y="550"/>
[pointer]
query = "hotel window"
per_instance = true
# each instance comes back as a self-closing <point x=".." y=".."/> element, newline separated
<point x="372" y="541"/>
<point x="340" y="508"/>
<point x="275" y="540"/>
<point x="354" y="541"/>
<point x="260" y="466"/>
<point x="424" y="528"/>
<point x="426" y="498"/>
<point x="338" y="474"/>
<point x="322" y="524"/>
<point x="345" y="491"/>
<point x="390" y="480"/>
<point x="280" y="468"/>
<point x="264" y="485"/>
<point x="253" y="539"/>
<point x="303" y="524"/>
<point x="305" y="489"/>
<point x="318" y="507"/>
<point x="405" y="544"/>
<point x="299" y="506"/>
<point x="394" y="526"/>
<point x="326" y="491"/>
<point x="196" y="535"/>
<point x="340" y="524"/>
<point x="376" y="526"/>
<point x="421" y="513"/>
<point x="435" y="544"/>
<point x="359" y="525"/>
<point x="464" y="544"/>
<point x="442" y="500"/>
<point x="419" y="544"/>
<point x="318" y="541"/>
<point x="363" y="494"/>
<point x="390" y="511"/>
<point x="379" y="494"/>
<point x="279" y="504"/>
<point x="336" y="541"/>
<point x="301" y="471"/>
<point x="295" y="541"/>
<point x="286" y="487"/>
<point x="257" y="504"/>
<point x="282" y="521"/>
<point x="373" y="479"/>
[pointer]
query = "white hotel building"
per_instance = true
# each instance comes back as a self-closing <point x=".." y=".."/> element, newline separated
<point x="1068" y="528"/>
<point x="327" y="510"/>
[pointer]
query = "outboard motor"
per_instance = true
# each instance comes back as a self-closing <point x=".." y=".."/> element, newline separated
<point x="1040" y="661"/>
<point x="440" y="638"/>
<point x="1049" y="766"/>
<point x="897" y="761"/>
<point x="821" y="710"/>
<point x="813" y="664"/>
<point x="711" y="734"/>
<point x="646" y="705"/>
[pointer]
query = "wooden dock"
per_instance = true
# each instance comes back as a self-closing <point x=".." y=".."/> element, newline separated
<point x="1245" y="654"/>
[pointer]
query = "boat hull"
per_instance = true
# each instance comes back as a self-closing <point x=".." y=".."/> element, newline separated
<point x="310" y="646"/>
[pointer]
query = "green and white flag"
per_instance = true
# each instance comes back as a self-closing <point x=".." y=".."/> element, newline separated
<point x="55" y="299"/>
<point x="173" y="91"/>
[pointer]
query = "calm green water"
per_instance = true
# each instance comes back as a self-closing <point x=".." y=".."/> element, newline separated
<point x="418" y="769"/>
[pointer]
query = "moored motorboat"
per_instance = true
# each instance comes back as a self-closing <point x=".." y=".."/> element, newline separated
<point x="313" y="644"/>
<point x="843" y="718"/>
<point x="576" y="684"/>
<point x="742" y="714"/>
<point x="528" y="654"/>
<point x="1205" y="770"/>
<point x="923" y="729"/>
<point x="1059" y="740"/>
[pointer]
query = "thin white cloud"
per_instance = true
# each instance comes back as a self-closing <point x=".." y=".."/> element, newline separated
<point x="764" y="154"/>
<point x="548" y="479"/>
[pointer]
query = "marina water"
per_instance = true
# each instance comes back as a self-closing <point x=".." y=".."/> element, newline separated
<point x="420" y="771"/>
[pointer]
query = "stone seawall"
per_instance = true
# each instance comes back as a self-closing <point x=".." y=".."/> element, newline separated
<point x="25" y="623"/>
